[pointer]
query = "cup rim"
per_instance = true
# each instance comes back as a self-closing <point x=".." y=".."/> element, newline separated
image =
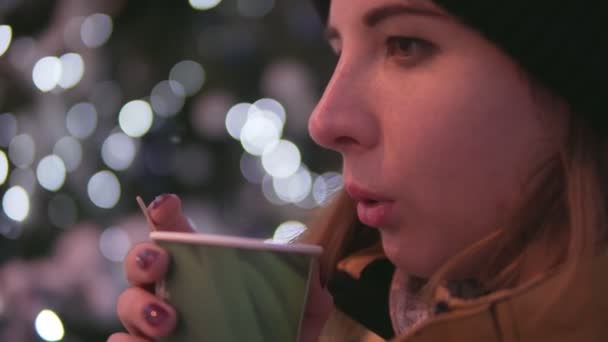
<point x="235" y="241"/>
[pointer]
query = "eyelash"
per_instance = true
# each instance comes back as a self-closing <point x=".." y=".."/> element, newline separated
<point x="403" y="57"/>
<point x="415" y="51"/>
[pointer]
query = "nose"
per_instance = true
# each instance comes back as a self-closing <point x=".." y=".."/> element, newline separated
<point x="344" y="119"/>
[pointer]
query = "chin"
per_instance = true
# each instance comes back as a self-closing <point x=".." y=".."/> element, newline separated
<point x="410" y="259"/>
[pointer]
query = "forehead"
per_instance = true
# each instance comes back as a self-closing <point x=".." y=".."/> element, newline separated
<point x="335" y="10"/>
<point x="370" y="13"/>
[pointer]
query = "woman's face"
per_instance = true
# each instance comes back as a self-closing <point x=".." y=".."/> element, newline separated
<point x="437" y="128"/>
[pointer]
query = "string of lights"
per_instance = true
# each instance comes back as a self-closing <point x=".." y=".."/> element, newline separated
<point x="107" y="100"/>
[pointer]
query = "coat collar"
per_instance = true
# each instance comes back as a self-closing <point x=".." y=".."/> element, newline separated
<point x="578" y="312"/>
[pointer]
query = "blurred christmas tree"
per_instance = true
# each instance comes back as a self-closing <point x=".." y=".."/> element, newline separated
<point x="104" y="100"/>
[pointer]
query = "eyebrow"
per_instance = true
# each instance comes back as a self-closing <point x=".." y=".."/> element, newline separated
<point x="377" y="15"/>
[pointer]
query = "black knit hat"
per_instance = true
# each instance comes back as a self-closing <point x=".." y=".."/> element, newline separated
<point x="561" y="44"/>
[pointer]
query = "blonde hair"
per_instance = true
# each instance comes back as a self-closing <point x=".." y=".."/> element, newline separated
<point x="565" y="209"/>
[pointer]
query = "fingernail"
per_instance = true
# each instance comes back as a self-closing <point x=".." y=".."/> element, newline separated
<point x="158" y="201"/>
<point x="146" y="258"/>
<point x="155" y="315"/>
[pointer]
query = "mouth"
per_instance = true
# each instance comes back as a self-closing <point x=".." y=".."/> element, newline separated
<point x="373" y="209"/>
<point x="360" y="194"/>
<point x="369" y="202"/>
<point x="375" y="213"/>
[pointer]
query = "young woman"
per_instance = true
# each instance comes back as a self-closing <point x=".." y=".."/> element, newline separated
<point x="473" y="139"/>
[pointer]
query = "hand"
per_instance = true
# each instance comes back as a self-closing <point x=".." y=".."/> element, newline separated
<point x="145" y="316"/>
<point x="318" y="309"/>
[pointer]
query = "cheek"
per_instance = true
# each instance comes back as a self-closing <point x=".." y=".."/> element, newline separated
<point x="479" y="130"/>
<point x="459" y="152"/>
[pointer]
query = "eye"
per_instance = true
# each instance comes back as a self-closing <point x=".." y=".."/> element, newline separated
<point x="408" y="49"/>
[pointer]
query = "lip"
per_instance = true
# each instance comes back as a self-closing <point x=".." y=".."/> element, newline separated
<point x="360" y="194"/>
<point x="373" y="209"/>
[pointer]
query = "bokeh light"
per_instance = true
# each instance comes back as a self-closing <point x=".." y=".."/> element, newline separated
<point x="272" y="105"/>
<point x="294" y="188"/>
<point x="236" y="119"/>
<point x="204" y="4"/>
<point x="291" y="82"/>
<point x="8" y="128"/>
<point x="251" y="168"/>
<point x="16" y="203"/>
<point x="72" y="70"/>
<point x="69" y="150"/>
<point x="51" y="172"/>
<point x="105" y="104"/>
<point x="114" y="244"/>
<point x="167" y="98"/>
<point x="256" y="112"/>
<point x="104" y="189"/>
<point x="189" y="74"/>
<point x="309" y="201"/>
<point x="255" y="8"/>
<point x="118" y="151"/>
<point x="3" y="167"/>
<point x="6" y="36"/>
<point x="259" y="132"/>
<point x="21" y="150"/>
<point x="135" y="118"/>
<point x="47" y="73"/>
<point x="49" y="326"/>
<point x="269" y="193"/>
<point x="81" y="120"/>
<point x="325" y="186"/>
<point x="286" y="232"/>
<point x="96" y="30"/>
<point x="281" y="159"/>
<point x="62" y="211"/>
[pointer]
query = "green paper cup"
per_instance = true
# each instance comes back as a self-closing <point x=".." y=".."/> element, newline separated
<point x="229" y="289"/>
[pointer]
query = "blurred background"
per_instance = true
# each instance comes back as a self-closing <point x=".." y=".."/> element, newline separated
<point x="104" y="100"/>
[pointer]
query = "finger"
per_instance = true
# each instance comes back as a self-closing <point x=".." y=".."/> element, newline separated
<point x="144" y="315"/>
<point x="319" y="305"/>
<point x="166" y="212"/>
<point x="145" y="264"/>
<point x="122" y="337"/>
<point x="319" y="301"/>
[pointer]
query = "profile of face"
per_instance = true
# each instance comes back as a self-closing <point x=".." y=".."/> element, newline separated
<point x="438" y="129"/>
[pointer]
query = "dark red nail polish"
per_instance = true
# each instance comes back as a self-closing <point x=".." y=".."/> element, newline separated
<point x="146" y="258"/>
<point x="155" y="315"/>
<point x="158" y="201"/>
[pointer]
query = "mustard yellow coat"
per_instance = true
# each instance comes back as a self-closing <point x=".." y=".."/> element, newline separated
<point x="579" y="310"/>
<point x="579" y="313"/>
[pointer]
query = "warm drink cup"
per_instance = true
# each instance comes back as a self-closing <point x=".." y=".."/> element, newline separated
<point x="229" y="289"/>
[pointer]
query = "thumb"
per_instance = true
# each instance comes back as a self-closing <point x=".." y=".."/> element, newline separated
<point x="166" y="213"/>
